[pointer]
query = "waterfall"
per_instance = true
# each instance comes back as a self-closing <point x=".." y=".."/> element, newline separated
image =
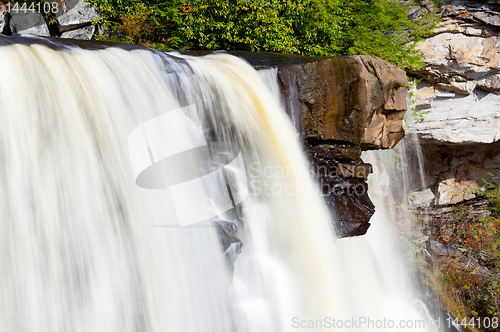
<point x="118" y="168"/>
<point x="394" y="239"/>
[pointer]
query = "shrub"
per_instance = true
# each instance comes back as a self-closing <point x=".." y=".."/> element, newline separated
<point x="306" y="27"/>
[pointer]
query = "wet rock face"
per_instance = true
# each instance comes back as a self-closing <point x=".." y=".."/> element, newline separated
<point x="231" y="244"/>
<point x="341" y="106"/>
<point x="342" y="177"/>
<point x="452" y="172"/>
<point x="344" y="105"/>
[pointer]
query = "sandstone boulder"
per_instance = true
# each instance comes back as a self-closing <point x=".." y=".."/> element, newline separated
<point x="358" y="100"/>
<point x="341" y="106"/>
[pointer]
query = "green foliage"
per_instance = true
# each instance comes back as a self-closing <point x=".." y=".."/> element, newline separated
<point x="492" y="194"/>
<point x="417" y="115"/>
<point x="395" y="159"/>
<point x="306" y="27"/>
<point x="252" y="25"/>
<point x="467" y="292"/>
<point x="148" y="22"/>
<point x="382" y="28"/>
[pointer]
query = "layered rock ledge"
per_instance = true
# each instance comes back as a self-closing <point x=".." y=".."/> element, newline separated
<point x="341" y="106"/>
<point x="459" y="97"/>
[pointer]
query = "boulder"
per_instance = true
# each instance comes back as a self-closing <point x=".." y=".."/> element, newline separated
<point x="420" y="198"/>
<point x="29" y="22"/>
<point x="452" y="191"/>
<point x="77" y="14"/>
<point x="341" y="106"/>
<point x="358" y="100"/>
<point x="84" y="33"/>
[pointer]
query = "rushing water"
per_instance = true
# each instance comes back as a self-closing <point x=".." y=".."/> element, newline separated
<point x="93" y="199"/>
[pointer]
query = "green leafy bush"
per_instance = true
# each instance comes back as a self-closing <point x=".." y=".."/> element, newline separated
<point x="307" y="27"/>
<point x="492" y="194"/>
<point x="382" y="28"/>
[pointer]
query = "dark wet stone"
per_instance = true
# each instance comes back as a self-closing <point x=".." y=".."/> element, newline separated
<point x="342" y="178"/>
<point x="231" y="244"/>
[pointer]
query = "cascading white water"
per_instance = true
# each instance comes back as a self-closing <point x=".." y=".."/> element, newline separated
<point x="390" y="186"/>
<point x="78" y="250"/>
<point x="86" y="249"/>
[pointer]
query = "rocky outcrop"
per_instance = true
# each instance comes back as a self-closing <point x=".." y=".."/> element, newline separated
<point x="461" y="78"/>
<point x="459" y="97"/>
<point x="452" y="173"/>
<point x="24" y="23"/>
<point x="76" y="14"/>
<point x="75" y="19"/>
<point x="84" y="33"/>
<point x="358" y="100"/>
<point x="344" y="105"/>
<point x="341" y="106"/>
<point x="458" y="100"/>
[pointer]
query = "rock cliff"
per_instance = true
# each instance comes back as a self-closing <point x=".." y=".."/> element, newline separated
<point x="459" y="97"/>
<point x="341" y="106"/>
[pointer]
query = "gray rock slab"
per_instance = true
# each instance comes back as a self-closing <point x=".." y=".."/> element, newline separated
<point x="84" y="33"/>
<point x="29" y="22"/>
<point x="83" y="13"/>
